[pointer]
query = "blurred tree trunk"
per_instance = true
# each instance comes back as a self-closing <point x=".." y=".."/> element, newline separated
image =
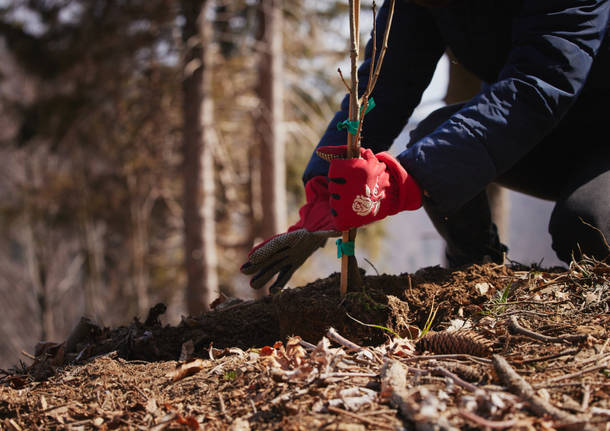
<point x="140" y="209"/>
<point x="463" y="86"/>
<point x="271" y="188"/>
<point x="38" y="277"/>
<point x="199" y="223"/>
<point x="270" y="121"/>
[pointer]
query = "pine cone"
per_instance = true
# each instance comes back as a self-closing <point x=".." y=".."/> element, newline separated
<point x="455" y="342"/>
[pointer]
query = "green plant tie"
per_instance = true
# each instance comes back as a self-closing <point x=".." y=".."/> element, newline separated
<point x="345" y="248"/>
<point x="352" y="126"/>
<point x="369" y="106"/>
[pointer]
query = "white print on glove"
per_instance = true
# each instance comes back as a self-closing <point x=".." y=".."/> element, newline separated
<point x="364" y="205"/>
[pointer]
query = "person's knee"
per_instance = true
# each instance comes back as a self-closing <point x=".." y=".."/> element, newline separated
<point x="580" y="226"/>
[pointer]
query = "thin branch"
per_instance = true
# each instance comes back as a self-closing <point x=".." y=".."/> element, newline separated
<point x="518" y="386"/>
<point x="448" y="356"/>
<point x="576" y="374"/>
<point x="374" y="52"/>
<point x="384" y="47"/>
<point x="375" y="68"/>
<point x="515" y="327"/>
<point x="343" y="79"/>
<point x="553" y="356"/>
<point x="339" y="339"/>
<point x="486" y="423"/>
<point x="376" y="424"/>
<point x="458" y="380"/>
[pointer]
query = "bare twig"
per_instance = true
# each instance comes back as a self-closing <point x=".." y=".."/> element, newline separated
<point x="375" y="66"/>
<point x="576" y="374"/>
<point x="28" y="355"/>
<point x="223" y="409"/>
<point x="289" y="395"/>
<point x="339" y="339"/>
<point x="458" y="380"/>
<point x="306" y="345"/>
<point x="486" y="423"/>
<point x="586" y="397"/>
<point x="379" y="412"/>
<point x="346" y="374"/>
<point x="384" y="47"/>
<point x="599" y="231"/>
<point x="600" y="411"/>
<point x="515" y="327"/>
<point x="376" y="424"/>
<point x="343" y="79"/>
<point x="518" y="386"/>
<point x="547" y="357"/>
<point x="448" y="356"/>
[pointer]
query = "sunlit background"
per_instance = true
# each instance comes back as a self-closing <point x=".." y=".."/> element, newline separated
<point x="90" y="138"/>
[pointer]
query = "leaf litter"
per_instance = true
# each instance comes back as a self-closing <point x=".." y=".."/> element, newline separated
<point x="509" y="348"/>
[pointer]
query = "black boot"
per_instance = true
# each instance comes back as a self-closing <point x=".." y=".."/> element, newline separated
<point x="470" y="235"/>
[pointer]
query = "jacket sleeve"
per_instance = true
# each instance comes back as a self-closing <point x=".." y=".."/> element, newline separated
<point x="554" y="43"/>
<point x="414" y="48"/>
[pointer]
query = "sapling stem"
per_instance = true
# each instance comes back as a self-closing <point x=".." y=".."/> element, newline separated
<point x="355" y="112"/>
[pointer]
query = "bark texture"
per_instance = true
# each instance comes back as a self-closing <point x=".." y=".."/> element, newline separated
<point x="199" y="224"/>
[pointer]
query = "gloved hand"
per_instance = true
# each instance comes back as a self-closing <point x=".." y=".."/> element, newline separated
<point x="369" y="188"/>
<point x="283" y="254"/>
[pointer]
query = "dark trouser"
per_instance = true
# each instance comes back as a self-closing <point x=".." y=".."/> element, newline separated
<point x="571" y="167"/>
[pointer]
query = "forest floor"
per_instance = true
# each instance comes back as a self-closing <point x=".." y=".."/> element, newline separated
<point x="510" y="348"/>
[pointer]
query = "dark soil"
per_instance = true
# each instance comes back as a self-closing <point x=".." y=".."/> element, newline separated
<point x="253" y="365"/>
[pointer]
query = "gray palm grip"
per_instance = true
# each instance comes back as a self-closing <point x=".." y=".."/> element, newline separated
<point x="283" y="255"/>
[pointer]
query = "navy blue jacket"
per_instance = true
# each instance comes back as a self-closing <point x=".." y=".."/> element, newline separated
<point x="535" y="56"/>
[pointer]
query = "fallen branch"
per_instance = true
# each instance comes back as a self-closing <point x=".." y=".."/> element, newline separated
<point x="457" y="380"/>
<point x="553" y="356"/>
<point x="448" y="356"/>
<point x="516" y="328"/>
<point x="518" y="386"/>
<point x="601" y="366"/>
<point x="223" y="408"/>
<point x="376" y="424"/>
<point x="486" y="423"/>
<point x="341" y="340"/>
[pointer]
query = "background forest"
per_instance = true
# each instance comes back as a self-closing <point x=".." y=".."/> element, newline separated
<point x="146" y="145"/>
<point x="106" y="107"/>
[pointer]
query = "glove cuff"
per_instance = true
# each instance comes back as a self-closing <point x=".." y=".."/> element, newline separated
<point x="407" y="193"/>
<point x="315" y="214"/>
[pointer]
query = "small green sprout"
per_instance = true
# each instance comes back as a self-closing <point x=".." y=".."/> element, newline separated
<point x="230" y="375"/>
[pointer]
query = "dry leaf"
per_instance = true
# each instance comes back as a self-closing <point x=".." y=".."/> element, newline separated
<point x="457" y="324"/>
<point x="482" y="288"/>
<point x="267" y="351"/>
<point x="187" y="369"/>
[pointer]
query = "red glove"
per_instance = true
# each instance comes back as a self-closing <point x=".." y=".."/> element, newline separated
<point x="369" y="188"/>
<point x="314" y="215"/>
<point x="283" y="254"/>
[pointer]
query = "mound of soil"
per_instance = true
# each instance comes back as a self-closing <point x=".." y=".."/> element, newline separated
<point x="509" y="348"/>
